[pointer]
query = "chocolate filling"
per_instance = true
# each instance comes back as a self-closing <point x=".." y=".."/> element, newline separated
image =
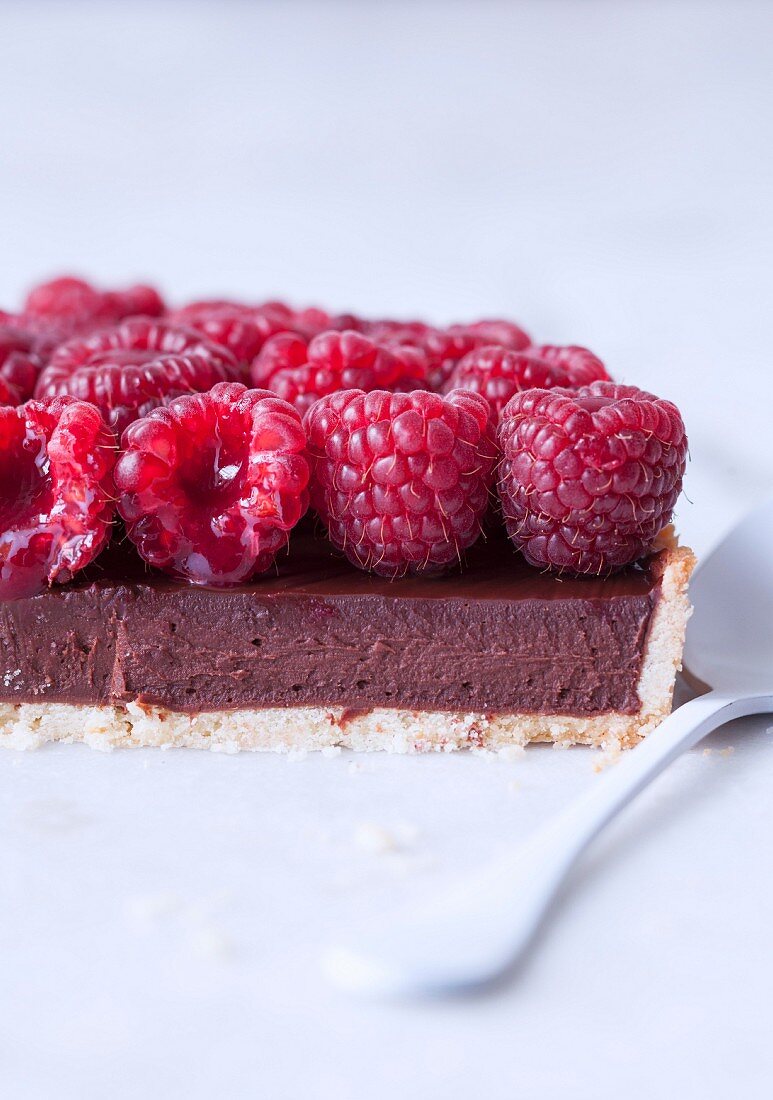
<point x="498" y="637"/>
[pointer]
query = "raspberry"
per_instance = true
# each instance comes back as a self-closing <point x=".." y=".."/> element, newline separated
<point x="202" y="306"/>
<point x="66" y="297"/>
<point x="506" y="333"/>
<point x="401" y="480"/>
<point x="56" y="493"/>
<point x="445" y="347"/>
<point x="137" y="301"/>
<point x="497" y="374"/>
<point x="581" y="365"/>
<point x="133" y="367"/>
<point x="312" y="321"/>
<point x="59" y="310"/>
<point x="78" y="303"/>
<point x="301" y="372"/>
<point x="211" y="485"/>
<point x="589" y="478"/>
<point x="46" y="333"/>
<point x="19" y="364"/>
<point x="242" y="329"/>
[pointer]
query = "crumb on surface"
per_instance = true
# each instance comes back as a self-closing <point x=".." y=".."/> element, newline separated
<point x="145" y="910"/>
<point x="376" y="839"/>
<point x="294" y="756"/>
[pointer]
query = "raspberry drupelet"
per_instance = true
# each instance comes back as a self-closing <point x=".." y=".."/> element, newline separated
<point x="401" y="480"/>
<point x="56" y="492"/>
<point x="302" y="371"/>
<point x="131" y="368"/>
<point x="589" y="478"/>
<point x="210" y="486"/>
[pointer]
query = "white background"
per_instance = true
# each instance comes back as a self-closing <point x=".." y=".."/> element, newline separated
<point x="601" y="172"/>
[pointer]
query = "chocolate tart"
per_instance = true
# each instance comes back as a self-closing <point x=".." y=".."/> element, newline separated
<point x="319" y="654"/>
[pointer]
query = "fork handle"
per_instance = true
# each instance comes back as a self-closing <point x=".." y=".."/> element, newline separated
<point x="584" y="818"/>
<point x="479" y="928"/>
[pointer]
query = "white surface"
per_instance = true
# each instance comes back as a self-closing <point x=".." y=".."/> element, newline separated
<point x="602" y="171"/>
<point x="425" y="949"/>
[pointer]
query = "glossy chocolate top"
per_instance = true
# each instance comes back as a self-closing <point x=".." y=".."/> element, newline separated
<point x="497" y="636"/>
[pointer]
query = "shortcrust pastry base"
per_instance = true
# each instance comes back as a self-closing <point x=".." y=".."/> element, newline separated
<point x="298" y="729"/>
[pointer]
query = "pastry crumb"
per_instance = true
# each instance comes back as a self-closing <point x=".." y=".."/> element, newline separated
<point x="294" y="756"/>
<point x="211" y="943"/>
<point x="504" y="754"/>
<point x="510" y="753"/>
<point x="610" y="753"/>
<point x="357" y="767"/>
<point x="377" y="839"/>
<point x="146" y="910"/>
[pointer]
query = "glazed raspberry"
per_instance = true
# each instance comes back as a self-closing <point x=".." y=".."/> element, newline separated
<point x="19" y="363"/>
<point x="581" y="365"/>
<point x="242" y="329"/>
<point x="211" y="485"/>
<point x="444" y="347"/>
<point x="401" y="480"/>
<point x="497" y="374"/>
<point x="302" y="372"/>
<point x="589" y="478"/>
<point x="133" y="367"/>
<point x="56" y="493"/>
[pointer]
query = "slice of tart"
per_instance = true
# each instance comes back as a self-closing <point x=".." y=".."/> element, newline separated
<point x="164" y="588"/>
<point x="320" y="653"/>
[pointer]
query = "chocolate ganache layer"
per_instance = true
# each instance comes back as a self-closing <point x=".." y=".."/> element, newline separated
<point x="497" y="637"/>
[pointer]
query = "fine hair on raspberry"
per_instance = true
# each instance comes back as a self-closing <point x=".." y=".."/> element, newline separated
<point x="401" y="480"/>
<point x="589" y="478"/>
